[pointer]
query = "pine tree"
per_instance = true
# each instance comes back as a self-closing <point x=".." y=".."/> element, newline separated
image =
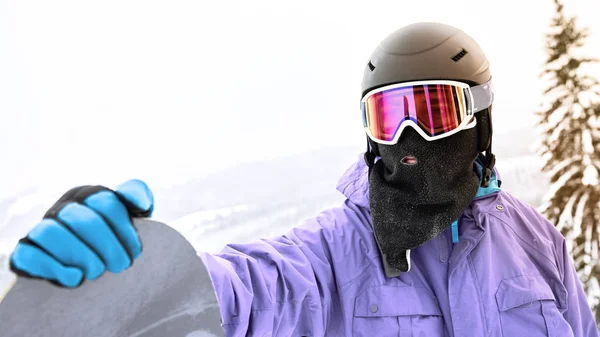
<point x="570" y="123"/>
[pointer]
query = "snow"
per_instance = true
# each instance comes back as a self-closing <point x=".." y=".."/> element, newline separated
<point x="537" y="146"/>
<point x="590" y="173"/>
<point x="561" y="182"/>
<point x="546" y="157"/>
<point x="598" y="222"/>
<point x="587" y="268"/>
<point x="521" y="175"/>
<point x="590" y="176"/>
<point x="190" y="222"/>
<point x="562" y="165"/>
<point x="578" y="254"/>
<point x="588" y="240"/>
<point x="242" y="225"/>
<point x="594" y="123"/>
<point x="594" y="290"/>
<point x="577" y="111"/>
<point x="579" y="214"/>
<point x="557" y="131"/>
<point x="566" y="217"/>
<point x="587" y="98"/>
<point x="586" y="139"/>
<point x="556" y="117"/>
<point x="23" y="205"/>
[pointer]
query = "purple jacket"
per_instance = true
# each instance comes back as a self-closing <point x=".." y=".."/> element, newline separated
<point x="509" y="276"/>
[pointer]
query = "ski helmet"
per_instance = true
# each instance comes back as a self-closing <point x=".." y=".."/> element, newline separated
<point x="431" y="51"/>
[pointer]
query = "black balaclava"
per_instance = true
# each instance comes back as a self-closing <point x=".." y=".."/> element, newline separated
<point x="412" y="203"/>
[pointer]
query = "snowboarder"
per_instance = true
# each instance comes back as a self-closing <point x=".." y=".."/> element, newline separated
<point x="426" y="243"/>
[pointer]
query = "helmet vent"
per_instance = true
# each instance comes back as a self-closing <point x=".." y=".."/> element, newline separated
<point x="371" y="66"/>
<point x="460" y="55"/>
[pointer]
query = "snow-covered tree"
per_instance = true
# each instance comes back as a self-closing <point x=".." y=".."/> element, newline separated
<point x="570" y="124"/>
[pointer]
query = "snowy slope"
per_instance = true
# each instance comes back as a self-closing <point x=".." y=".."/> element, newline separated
<point x="264" y="198"/>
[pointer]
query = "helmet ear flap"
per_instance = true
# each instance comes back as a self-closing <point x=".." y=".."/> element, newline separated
<point x="484" y="129"/>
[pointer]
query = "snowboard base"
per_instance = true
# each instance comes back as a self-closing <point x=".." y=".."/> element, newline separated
<point x="167" y="292"/>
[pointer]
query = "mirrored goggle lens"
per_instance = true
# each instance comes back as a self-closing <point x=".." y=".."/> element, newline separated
<point x="435" y="108"/>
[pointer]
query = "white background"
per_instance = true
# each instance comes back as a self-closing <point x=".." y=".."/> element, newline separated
<point x="104" y="91"/>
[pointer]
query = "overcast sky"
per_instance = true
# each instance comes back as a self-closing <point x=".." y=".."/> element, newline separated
<point x="103" y="91"/>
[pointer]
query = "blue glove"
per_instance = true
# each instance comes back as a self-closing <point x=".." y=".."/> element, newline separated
<point x="88" y="230"/>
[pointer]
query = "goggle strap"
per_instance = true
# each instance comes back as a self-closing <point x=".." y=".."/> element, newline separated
<point x="369" y="155"/>
<point x="490" y="159"/>
<point x="483" y="96"/>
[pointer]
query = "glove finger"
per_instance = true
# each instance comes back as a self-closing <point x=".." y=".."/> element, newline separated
<point x="76" y="194"/>
<point x="65" y="247"/>
<point x="137" y="197"/>
<point x="108" y="205"/>
<point x="34" y="262"/>
<point x="93" y="230"/>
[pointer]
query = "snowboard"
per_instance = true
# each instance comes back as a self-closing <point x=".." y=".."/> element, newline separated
<point x="166" y="292"/>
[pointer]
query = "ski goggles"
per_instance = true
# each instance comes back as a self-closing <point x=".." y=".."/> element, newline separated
<point x="435" y="109"/>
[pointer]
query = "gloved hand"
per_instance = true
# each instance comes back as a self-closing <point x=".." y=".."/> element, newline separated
<point x="87" y="231"/>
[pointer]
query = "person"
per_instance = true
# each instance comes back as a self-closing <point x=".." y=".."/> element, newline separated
<point x="425" y="244"/>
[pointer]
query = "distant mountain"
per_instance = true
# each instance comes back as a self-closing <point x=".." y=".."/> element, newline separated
<point x="514" y="143"/>
<point x="290" y="179"/>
